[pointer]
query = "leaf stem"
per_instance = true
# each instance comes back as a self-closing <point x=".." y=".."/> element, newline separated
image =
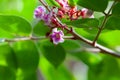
<point x="103" y="23"/>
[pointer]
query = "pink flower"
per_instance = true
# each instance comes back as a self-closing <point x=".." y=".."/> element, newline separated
<point x="85" y="13"/>
<point x="57" y="36"/>
<point x="39" y="12"/>
<point x="48" y="18"/>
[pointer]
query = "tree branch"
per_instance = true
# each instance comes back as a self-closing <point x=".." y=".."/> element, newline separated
<point x="79" y="37"/>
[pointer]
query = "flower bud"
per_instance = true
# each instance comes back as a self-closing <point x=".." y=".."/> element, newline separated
<point x="86" y="13"/>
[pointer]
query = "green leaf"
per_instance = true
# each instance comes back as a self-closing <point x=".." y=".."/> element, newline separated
<point x="94" y="5"/>
<point x="88" y="33"/>
<point x="111" y="38"/>
<point x="32" y="76"/>
<point x="40" y="29"/>
<point x="62" y="73"/>
<point x="55" y="54"/>
<point x="91" y="31"/>
<point x="22" y="8"/>
<point x="28" y="7"/>
<point x="14" y="26"/>
<point x="84" y="23"/>
<point x="27" y="76"/>
<point x="72" y="43"/>
<point x="113" y="23"/>
<point x="6" y="73"/>
<point x="27" y="56"/>
<point x="116" y="9"/>
<point x="7" y="56"/>
<point x="108" y="69"/>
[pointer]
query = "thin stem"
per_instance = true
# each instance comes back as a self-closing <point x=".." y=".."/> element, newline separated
<point x="23" y="39"/>
<point x="45" y="5"/>
<point x="31" y="38"/>
<point x="100" y="30"/>
<point x="103" y="23"/>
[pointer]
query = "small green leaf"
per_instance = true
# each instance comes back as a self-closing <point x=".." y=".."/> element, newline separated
<point x="55" y="54"/>
<point x="84" y="23"/>
<point x="40" y="29"/>
<point x="113" y="23"/>
<point x="14" y="26"/>
<point x="94" y="5"/>
<point x="116" y="9"/>
<point x="27" y="55"/>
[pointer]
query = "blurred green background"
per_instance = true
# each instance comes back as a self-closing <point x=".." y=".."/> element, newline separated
<point x="28" y="60"/>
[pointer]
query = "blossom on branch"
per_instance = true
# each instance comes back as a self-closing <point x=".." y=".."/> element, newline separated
<point x="72" y="12"/>
<point x="48" y="18"/>
<point x="57" y="36"/>
<point x="39" y="12"/>
<point x="65" y="11"/>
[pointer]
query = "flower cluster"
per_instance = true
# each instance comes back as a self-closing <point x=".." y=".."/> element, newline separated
<point x="72" y="11"/>
<point x="50" y="20"/>
<point x="40" y="14"/>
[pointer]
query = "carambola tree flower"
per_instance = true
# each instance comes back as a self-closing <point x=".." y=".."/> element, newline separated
<point x="39" y="12"/>
<point x="57" y="36"/>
